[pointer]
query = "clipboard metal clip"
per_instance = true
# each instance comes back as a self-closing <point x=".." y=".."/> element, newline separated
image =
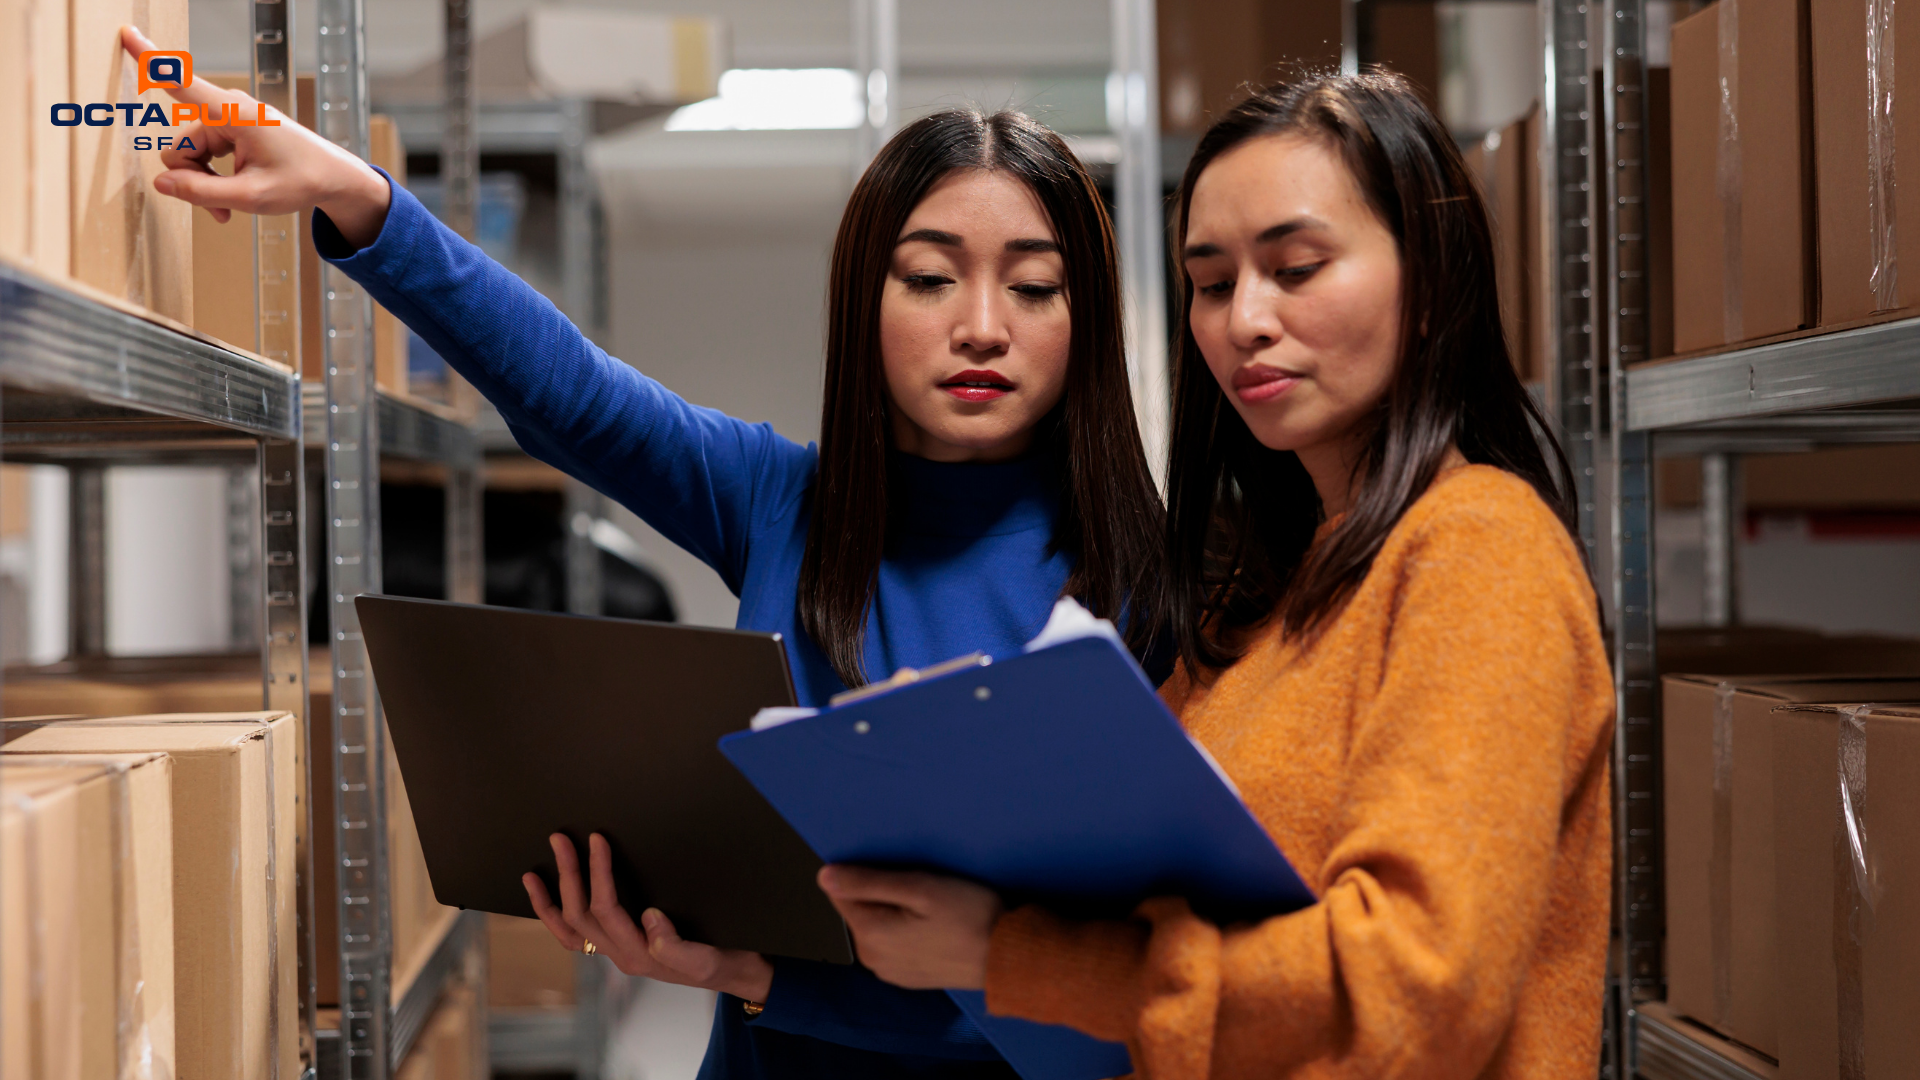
<point x="907" y="676"/>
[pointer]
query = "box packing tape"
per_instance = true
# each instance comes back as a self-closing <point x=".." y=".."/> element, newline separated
<point x="1720" y="865"/>
<point x="1854" y="889"/>
<point x="134" y="1044"/>
<point x="1729" y="170"/>
<point x="1884" y="279"/>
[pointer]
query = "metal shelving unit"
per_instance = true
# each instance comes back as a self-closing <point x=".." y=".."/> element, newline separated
<point x="1617" y="411"/>
<point x="86" y="385"/>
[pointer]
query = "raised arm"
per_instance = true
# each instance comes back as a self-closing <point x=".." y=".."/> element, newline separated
<point x="704" y="479"/>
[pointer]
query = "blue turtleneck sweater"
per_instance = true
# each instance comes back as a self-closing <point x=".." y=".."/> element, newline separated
<point x="969" y="566"/>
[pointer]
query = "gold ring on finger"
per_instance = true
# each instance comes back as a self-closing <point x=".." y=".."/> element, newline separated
<point x="589" y="949"/>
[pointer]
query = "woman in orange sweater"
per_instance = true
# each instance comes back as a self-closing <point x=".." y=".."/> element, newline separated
<point x="1389" y="641"/>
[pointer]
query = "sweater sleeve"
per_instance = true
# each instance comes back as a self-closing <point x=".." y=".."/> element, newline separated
<point x="1435" y="886"/>
<point x="702" y="478"/>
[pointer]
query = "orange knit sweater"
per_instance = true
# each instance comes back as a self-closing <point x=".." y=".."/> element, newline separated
<point x="1435" y="766"/>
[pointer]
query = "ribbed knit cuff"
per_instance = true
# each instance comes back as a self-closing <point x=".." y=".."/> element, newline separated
<point x="1085" y="975"/>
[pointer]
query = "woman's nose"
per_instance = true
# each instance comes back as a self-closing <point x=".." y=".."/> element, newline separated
<point x="1253" y="319"/>
<point x="982" y="326"/>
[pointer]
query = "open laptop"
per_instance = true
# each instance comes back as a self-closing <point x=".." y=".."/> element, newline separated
<point x="511" y="725"/>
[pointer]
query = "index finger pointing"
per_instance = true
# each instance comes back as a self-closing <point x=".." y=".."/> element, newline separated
<point x="196" y="92"/>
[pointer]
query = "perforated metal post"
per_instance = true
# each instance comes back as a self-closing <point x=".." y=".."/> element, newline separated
<point x="1639" y="902"/>
<point x="584" y="506"/>
<point x="353" y="567"/>
<point x="276" y="251"/>
<point x="876" y="59"/>
<point x="579" y="251"/>
<point x="1565" y="176"/>
<point x="466" y="564"/>
<point x="1133" y="112"/>
<point x="1719" y="518"/>
<point x="459" y="147"/>
<point x="86" y="560"/>
<point x="243" y="557"/>
<point x="281" y="617"/>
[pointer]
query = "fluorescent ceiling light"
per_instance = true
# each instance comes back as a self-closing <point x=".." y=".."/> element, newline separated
<point x="765" y="99"/>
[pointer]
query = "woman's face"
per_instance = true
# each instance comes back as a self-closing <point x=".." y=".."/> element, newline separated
<point x="973" y="321"/>
<point x="1296" y="292"/>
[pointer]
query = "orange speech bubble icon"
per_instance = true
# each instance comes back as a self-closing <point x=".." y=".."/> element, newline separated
<point x="165" y="70"/>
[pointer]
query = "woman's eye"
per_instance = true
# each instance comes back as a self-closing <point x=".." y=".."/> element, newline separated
<point x="1037" y="292"/>
<point x="1299" y="273"/>
<point x="926" y="283"/>
<point x="1215" y="290"/>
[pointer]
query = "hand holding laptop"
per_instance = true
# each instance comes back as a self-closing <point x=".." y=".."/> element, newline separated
<point x="590" y="912"/>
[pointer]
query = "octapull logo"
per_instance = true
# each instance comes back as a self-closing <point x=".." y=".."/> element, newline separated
<point x="161" y="69"/>
<point x="165" y="69"/>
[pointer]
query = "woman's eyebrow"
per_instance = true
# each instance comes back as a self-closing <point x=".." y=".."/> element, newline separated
<point x="1033" y="244"/>
<point x="931" y="236"/>
<point x="1267" y="236"/>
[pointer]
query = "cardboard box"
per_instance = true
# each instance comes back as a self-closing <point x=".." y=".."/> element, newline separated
<point x="390" y="336"/>
<point x="225" y="298"/>
<point x="235" y="868"/>
<point x="1842" y="123"/>
<point x="1718" y="761"/>
<point x="128" y="241"/>
<point x="16" y="128"/>
<point x="451" y="1045"/>
<point x="526" y="967"/>
<point x="1210" y="53"/>
<point x="86" y="917"/>
<point x="49" y="240"/>
<point x="1846" y="973"/>
<point x="1754" y="281"/>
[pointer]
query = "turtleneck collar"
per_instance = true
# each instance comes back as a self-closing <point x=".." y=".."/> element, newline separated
<point x="965" y="499"/>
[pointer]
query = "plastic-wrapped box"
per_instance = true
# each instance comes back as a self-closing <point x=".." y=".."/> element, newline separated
<point x="1720" y="754"/>
<point x="235" y="944"/>
<point x="86" y="917"/>
<point x="1847" y="833"/>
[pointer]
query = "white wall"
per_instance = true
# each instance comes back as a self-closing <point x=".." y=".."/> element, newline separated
<point x="717" y="260"/>
<point x="167" y="575"/>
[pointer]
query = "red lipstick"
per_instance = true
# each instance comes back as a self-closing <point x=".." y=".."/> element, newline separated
<point x="1257" y="384"/>
<point x="978" y="384"/>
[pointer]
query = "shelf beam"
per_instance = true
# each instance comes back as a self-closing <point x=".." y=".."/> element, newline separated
<point x="1869" y="365"/>
<point x="81" y="354"/>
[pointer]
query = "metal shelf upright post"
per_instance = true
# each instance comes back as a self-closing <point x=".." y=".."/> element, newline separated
<point x="361" y="426"/>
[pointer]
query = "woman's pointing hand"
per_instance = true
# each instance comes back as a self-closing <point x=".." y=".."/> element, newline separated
<point x="279" y="167"/>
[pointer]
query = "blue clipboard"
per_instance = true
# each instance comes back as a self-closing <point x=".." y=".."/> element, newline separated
<point x="1057" y="775"/>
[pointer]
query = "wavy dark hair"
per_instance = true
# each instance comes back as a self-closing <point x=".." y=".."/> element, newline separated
<point x="1241" y="517"/>
<point x="1110" y="519"/>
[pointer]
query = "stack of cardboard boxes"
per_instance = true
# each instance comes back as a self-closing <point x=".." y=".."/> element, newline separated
<point x="76" y="197"/>
<point x="223" y="777"/>
<point x="1788" y="213"/>
<point x="151" y="865"/>
<point x="1777" y="786"/>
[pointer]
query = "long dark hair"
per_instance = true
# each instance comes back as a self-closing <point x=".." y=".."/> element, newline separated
<point x="1241" y="517"/>
<point x="1110" y="515"/>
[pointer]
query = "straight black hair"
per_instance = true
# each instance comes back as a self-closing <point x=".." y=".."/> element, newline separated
<point x="1240" y="517"/>
<point x="1110" y="518"/>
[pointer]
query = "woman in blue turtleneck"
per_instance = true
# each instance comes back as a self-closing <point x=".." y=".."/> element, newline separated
<point x="978" y="459"/>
